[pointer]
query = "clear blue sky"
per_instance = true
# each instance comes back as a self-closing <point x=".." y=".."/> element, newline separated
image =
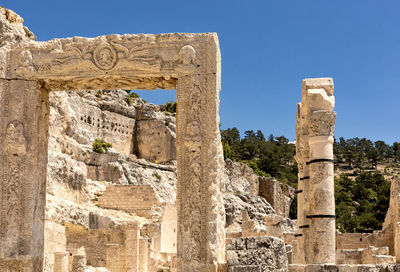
<point x="267" y="48"/>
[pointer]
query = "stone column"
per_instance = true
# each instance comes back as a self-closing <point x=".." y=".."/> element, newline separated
<point x="132" y="248"/>
<point x="396" y="236"/>
<point x="303" y="188"/>
<point x="201" y="215"/>
<point x="23" y="164"/>
<point x="143" y="254"/>
<point x="61" y="261"/>
<point x="320" y="121"/>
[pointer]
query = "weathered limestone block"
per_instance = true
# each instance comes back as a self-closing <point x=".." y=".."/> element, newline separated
<point x="61" y="261"/>
<point x="368" y="268"/>
<point x="155" y="141"/>
<point x="396" y="230"/>
<point x="321" y="268"/>
<point x="78" y="263"/>
<point x="132" y="248"/>
<point x="115" y="259"/>
<point x="257" y="254"/>
<point x="97" y="269"/>
<point x="168" y="230"/>
<point x="279" y="195"/>
<point x="273" y="228"/>
<point x="297" y="267"/>
<point x="241" y="178"/>
<point x="347" y="268"/>
<point x="318" y="99"/>
<point x="54" y="241"/>
<point x="138" y="199"/>
<point x="143" y="254"/>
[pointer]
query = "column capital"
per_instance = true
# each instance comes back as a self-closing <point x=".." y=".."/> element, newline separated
<point x="321" y="123"/>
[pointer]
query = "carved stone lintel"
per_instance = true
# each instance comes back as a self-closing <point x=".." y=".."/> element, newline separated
<point x="89" y="62"/>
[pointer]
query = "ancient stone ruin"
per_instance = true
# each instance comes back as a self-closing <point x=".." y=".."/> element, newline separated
<point x="189" y="63"/>
<point x="162" y="198"/>
<point x="314" y="156"/>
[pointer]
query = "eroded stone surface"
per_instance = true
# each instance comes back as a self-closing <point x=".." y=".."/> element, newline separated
<point x="257" y="254"/>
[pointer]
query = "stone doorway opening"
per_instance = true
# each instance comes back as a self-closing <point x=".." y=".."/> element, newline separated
<point x="189" y="63"/>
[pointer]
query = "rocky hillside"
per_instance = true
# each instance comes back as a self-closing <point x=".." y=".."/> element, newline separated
<point x="143" y="153"/>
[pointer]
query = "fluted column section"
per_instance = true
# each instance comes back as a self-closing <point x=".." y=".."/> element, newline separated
<point x="302" y="153"/>
<point x="315" y="121"/>
<point x="321" y="120"/>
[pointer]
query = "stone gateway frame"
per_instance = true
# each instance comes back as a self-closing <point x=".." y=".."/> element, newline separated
<point x="189" y="63"/>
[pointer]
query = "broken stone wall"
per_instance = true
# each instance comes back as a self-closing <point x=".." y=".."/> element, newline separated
<point x="257" y="254"/>
<point x="168" y="229"/>
<point x="361" y="240"/>
<point x="138" y="199"/>
<point x="155" y="137"/>
<point x="54" y="241"/>
<point x="111" y="127"/>
<point x="94" y="242"/>
<point x="87" y="120"/>
<point x="115" y="257"/>
<point x="364" y="248"/>
<point x="118" y="250"/>
<point x="279" y="195"/>
<point x="392" y="225"/>
<point x="135" y="128"/>
<point x="369" y="255"/>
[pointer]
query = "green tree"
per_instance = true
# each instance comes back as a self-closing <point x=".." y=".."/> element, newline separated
<point x="227" y="150"/>
<point x="170" y="107"/>
<point x="361" y="205"/>
<point x="396" y="151"/>
<point x="100" y="146"/>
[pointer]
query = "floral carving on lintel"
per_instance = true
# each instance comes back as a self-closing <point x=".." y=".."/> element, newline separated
<point x="105" y="56"/>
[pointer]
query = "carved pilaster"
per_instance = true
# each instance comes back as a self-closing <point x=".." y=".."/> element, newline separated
<point x="23" y="151"/>
<point x="201" y="226"/>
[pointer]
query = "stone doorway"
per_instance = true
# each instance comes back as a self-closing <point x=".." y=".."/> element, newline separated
<point x="189" y="63"/>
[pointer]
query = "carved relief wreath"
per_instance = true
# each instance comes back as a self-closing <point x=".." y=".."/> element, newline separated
<point x="105" y="56"/>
